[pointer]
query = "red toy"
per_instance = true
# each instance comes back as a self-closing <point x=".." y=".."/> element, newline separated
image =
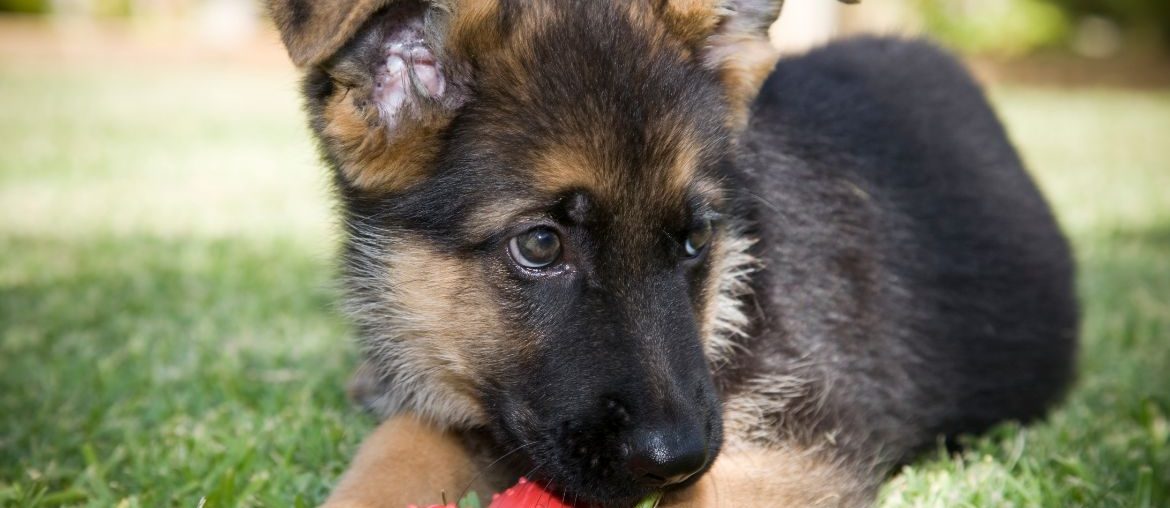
<point x="524" y="494"/>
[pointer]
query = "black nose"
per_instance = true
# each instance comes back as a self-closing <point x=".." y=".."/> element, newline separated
<point x="658" y="458"/>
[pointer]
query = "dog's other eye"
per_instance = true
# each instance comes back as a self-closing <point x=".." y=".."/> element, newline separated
<point x="697" y="239"/>
<point x="536" y="248"/>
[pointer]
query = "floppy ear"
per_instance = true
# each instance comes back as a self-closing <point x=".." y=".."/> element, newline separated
<point x="381" y="84"/>
<point x="731" y="37"/>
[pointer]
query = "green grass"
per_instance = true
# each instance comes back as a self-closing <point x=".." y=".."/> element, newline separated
<point x="167" y="329"/>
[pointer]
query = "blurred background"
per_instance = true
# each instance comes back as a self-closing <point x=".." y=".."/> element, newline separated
<point x="1071" y="42"/>
<point x="167" y="328"/>
<point x="1052" y="42"/>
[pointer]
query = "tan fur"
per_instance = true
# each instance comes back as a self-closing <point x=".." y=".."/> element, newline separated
<point x="475" y="29"/>
<point x="559" y="169"/>
<point x="691" y="21"/>
<point x="372" y="157"/>
<point x="752" y="416"/>
<point x="406" y="461"/>
<point x="743" y="61"/>
<point x="434" y="355"/>
<point x="584" y="166"/>
<point x="741" y="54"/>
<point x="491" y="218"/>
<point x="774" y="478"/>
<point x="724" y="319"/>
<point x="684" y="162"/>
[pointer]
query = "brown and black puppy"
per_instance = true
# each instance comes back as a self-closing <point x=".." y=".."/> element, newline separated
<point x="614" y="245"/>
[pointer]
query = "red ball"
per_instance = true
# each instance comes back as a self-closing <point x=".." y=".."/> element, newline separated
<point x="526" y="494"/>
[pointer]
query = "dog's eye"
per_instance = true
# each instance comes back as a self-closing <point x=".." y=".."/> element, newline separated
<point x="697" y="239"/>
<point x="536" y="248"/>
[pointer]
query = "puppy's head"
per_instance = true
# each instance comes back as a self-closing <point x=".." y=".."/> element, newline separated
<point x="539" y="242"/>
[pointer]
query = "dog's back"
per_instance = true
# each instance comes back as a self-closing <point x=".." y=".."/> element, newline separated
<point x="916" y="278"/>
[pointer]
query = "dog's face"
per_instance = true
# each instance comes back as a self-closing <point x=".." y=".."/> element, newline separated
<point x="539" y="242"/>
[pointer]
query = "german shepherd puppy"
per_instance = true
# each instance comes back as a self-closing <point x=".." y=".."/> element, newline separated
<point x="614" y="246"/>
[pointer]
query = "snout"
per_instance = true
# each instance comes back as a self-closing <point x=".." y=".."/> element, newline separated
<point x="666" y="455"/>
<point x="622" y="451"/>
<point x="628" y="408"/>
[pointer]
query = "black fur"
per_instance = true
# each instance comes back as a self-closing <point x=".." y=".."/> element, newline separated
<point x="914" y="270"/>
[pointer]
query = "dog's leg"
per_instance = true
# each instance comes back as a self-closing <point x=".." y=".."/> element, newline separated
<point x="774" y="477"/>
<point x="403" y="462"/>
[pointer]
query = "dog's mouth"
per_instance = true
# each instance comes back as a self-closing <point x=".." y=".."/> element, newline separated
<point x="582" y="490"/>
<point x="590" y="490"/>
<point x="611" y="461"/>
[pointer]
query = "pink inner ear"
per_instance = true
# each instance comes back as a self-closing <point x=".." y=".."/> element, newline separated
<point x="408" y="72"/>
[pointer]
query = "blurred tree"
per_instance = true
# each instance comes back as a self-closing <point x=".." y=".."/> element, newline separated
<point x="25" y="6"/>
<point x="995" y="26"/>
<point x="91" y="7"/>
<point x="1019" y="26"/>
<point x="1149" y="16"/>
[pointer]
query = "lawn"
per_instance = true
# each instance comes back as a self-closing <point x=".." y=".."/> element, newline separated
<point x="168" y="334"/>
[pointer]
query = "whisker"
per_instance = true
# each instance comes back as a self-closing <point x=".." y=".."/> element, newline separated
<point x="548" y="497"/>
<point x="715" y="485"/>
<point x="528" y="492"/>
<point x="533" y="470"/>
<point x="485" y="469"/>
